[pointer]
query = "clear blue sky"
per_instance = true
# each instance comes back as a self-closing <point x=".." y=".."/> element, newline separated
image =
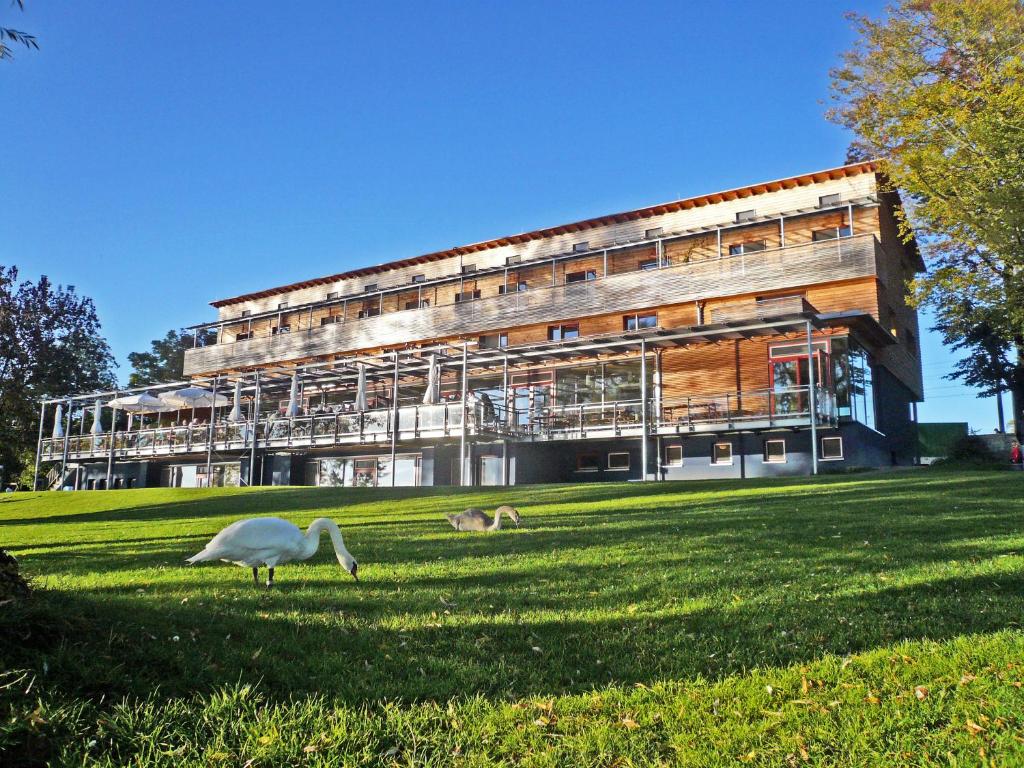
<point x="161" y="155"/>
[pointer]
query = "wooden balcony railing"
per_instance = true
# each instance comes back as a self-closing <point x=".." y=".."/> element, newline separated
<point x="770" y="270"/>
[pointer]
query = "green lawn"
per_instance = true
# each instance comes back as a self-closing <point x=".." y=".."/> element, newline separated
<point x="862" y="620"/>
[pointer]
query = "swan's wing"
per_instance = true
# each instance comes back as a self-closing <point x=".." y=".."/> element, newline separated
<point x="252" y="540"/>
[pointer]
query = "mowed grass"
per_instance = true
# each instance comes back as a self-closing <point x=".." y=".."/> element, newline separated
<point x="860" y="620"/>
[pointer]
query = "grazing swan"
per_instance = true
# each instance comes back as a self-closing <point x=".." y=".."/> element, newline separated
<point x="269" y="541"/>
<point x="475" y="520"/>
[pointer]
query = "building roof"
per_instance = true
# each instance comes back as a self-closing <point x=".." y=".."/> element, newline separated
<point x="801" y="180"/>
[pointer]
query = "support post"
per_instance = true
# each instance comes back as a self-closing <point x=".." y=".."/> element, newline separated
<point x="465" y="392"/>
<point x="209" y="434"/>
<point x="504" y="392"/>
<point x="67" y="441"/>
<point x="394" y="421"/>
<point x="719" y="231"/>
<point x="917" y="435"/>
<point x="643" y="408"/>
<point x="110" y="453"/>
<point x="81" y="436"/>
<point x="812" y="403"/>
<point x="254" y="431"/>
<point x="39" y="446"/>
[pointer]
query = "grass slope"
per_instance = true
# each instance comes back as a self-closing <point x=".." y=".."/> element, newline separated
<point x="869" y="620"/>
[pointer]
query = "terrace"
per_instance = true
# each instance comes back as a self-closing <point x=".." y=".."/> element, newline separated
<point x="478" y="398"/>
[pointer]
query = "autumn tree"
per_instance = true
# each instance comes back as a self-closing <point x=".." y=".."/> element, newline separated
<point x="935" y="90"/>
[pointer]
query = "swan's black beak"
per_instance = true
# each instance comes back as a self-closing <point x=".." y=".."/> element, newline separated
<point x="355" y="568"/>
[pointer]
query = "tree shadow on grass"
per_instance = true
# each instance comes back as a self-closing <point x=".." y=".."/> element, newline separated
<point x="102" y="645"/>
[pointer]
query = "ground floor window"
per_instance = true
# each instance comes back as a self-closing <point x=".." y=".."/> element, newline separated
<point x="194" y="476"/>
<point x="490" y="470"/>
<point x="618" y="461"/>
<point x="587" y="462"/>
<point x="673" y="455"/>
<point x="721" y="453"/>
<point x="831" y="448"/>
<point x="369" y="471"/>
<point x="775" y="451"/>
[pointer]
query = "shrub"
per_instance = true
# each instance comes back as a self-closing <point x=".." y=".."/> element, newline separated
<point x="971" y="452"/>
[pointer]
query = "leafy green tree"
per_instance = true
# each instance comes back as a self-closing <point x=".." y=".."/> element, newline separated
<point x="8" y="35"/>
<point x="50" y="345"/>
<point x="166" y="359"/>
<point x="936" y="90"/>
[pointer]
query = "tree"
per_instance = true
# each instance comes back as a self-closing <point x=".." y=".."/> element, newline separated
<point x="936" y="90"/>
<point x="14" y="36"/>
<point x="166" y="360"/>
<point x="50" y="345"/>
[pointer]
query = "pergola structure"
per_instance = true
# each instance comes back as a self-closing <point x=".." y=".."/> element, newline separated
<point x="403" y="373"/>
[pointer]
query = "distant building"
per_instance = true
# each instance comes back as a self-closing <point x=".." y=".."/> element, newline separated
<point x="757" y="331"/>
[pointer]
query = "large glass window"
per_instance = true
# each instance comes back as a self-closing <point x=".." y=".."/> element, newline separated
<point x="852" y="379"/>
<point x="369" y="471"/>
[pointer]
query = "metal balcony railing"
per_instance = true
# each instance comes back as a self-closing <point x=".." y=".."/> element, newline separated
<point x="704" y="413"/>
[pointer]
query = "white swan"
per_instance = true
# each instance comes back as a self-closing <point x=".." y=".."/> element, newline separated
<point x="270" y="541"/>
<point x="475" y="520"/>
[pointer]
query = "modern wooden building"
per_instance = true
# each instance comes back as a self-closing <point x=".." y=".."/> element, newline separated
<point x="757" y="331"/>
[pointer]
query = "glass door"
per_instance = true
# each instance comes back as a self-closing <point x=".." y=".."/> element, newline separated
<point x="790" y="377"/>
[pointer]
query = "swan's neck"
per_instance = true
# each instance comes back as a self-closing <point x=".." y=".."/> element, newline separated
<point x="496" y="525"/>
<point x="313" y="538"/>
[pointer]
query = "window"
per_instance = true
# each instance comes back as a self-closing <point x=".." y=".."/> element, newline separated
<point x="827" y="201"/>
<point x="515" y="259"/>
<point x="911" y="342"/>
<point x="580" y="277"/>
<point x="280" y="329"/>
<point x="647" y="264"/>
<point x="673" y="455"/>
<point x="774" y="451"/>
<point x="246" y="312"/>
<point x="330" y="320"/>
<point x="464" y="296"/>
<point x="467" y="268"/>
<point x="636" y="322"/>
<point x="243" y="336"/>
<point x="283" y="305"/>
<point x="369" y="311"/>
<point x="512" y="288"/>
<point x="494" y="341"/>
<point x="564" y="331"/>
<point x="721" y="453"/>
<point x="742" y="216"/>
<point x="581" y="246"/>
<point x="370" y="288"/>
<point x="419" y="278"/>
<point x="831" y="449"/>
<point x="417" y="303"/>
<point x="618" y="461"/>
<point x="587" y="462"/>
<point x="832" y="233"/>
<point x="751" y="246"/>
<point x="650" y="234"/>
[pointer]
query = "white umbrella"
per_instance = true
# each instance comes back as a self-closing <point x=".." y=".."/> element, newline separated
<point x="236" y="409"/>
<point x="141" y="403"/>
<point x="97" y="427"/>
<point x="193" y="397"/>
<point x="430" y="397"/>
<point x="532" y="404"/>
<point x="360" y="404"/>
<point x="58" y="422"/>
<point x="293" y="397"/>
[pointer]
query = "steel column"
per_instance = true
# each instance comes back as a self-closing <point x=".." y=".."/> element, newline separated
<point x="462" y="437"/>
<point x="209" y="435"/>
<point x="67" y="440"/>
<point x="39" y="445"/>
<point x="254" y="431"/>
<point x="643" y="409"/>
<point x="110" y="453"/>
<point x="812" y="400"/>
<point x="394" y="422"/>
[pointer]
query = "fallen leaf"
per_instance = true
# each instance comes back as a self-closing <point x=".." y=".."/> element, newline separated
<point x="921" y="692"/>
<point x="630" y="723"/>
<point x="309" y="748"/>
<point x="872" y="699"/>
<point x="973" y="728"/>
<point x="966" y="678"/>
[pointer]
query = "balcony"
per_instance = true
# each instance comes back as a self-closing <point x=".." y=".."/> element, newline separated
<point x="762" y="271"/>
<point x="762" y="409"/>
